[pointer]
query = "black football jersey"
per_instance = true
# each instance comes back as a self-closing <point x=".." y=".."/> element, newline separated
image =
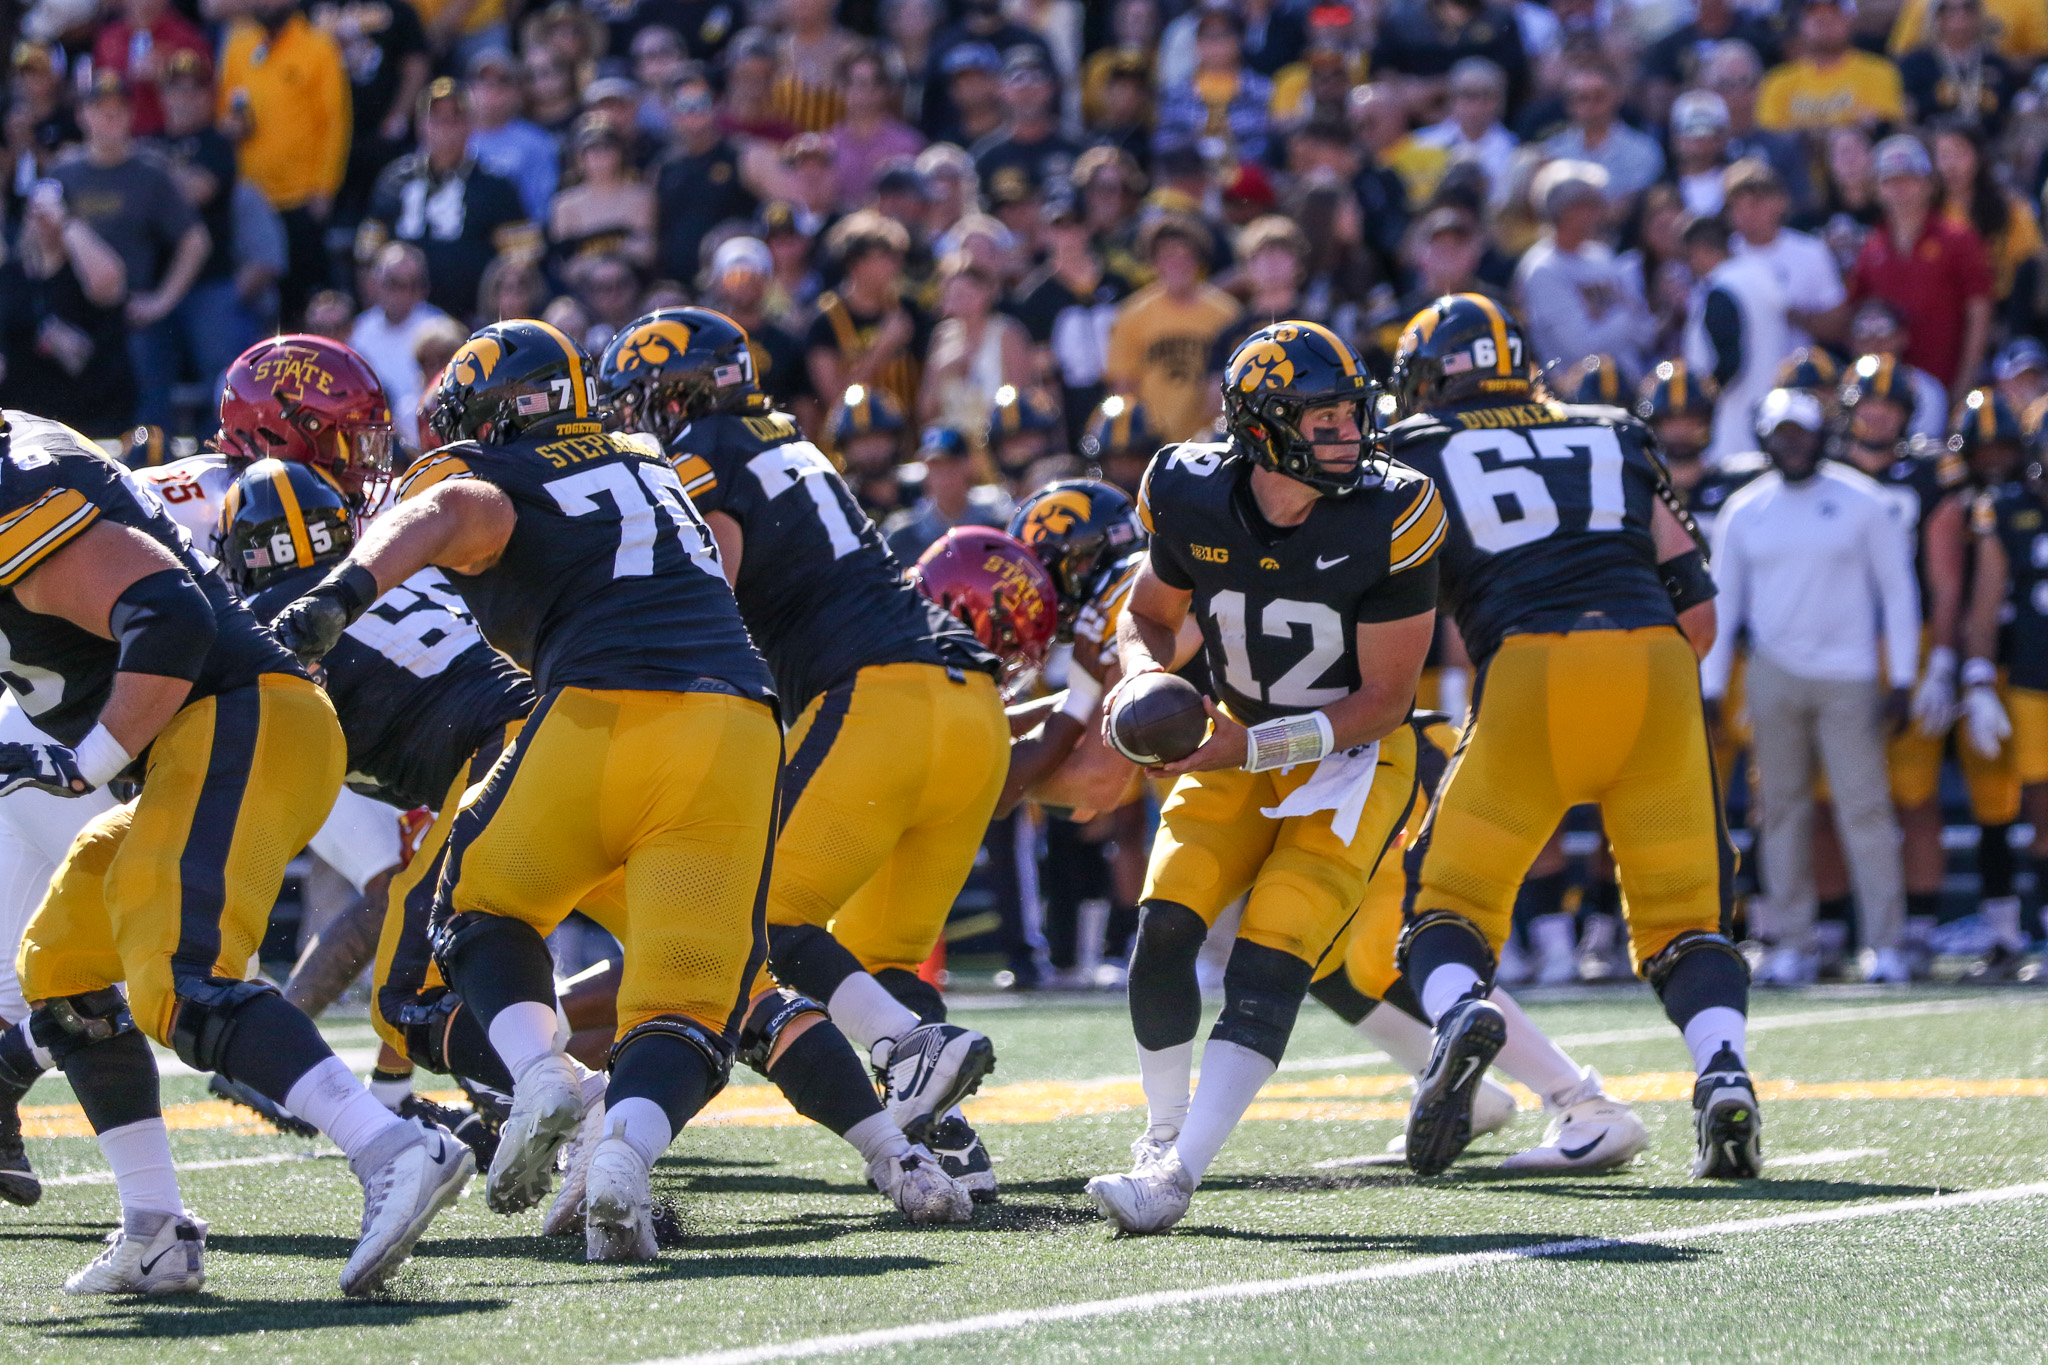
<point x="1280" y="607"/>
<point x="820" y="592"/>
<point x="1550" y="518"/>
<point x="2015" y="516"/>
<point x="1916" y="485"/>
<point x="54" y="484"/>
<point x="610" y="578"/>
<point x="415" y="687"/>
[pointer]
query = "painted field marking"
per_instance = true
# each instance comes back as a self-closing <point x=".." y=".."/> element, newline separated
<point x="274" y="1159"/>
<point x="1829" y="1157"/>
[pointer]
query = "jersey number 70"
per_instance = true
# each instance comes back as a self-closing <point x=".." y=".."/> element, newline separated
<point x="643" y="505"/>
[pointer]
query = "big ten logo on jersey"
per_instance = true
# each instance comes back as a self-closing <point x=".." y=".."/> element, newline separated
<point x="584" y="448"/>
<point x="1517" y="487"/>
<point x="420" y="625"/>
<point x="646" y="502"/>
<point x="799" y="464"/>
<point x="1210" y="554"/>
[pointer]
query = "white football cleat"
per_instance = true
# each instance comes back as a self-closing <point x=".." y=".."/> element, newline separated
<point x="565" y="1215"/>
<point x="929" y="1070"/>
<point x="1493" y="1108"/>
<point x="921" y="1188"/>
<point x="1150" y="1199"/>
<point x="409" y="1174"/>
<point x="547" y="1107"/>
<point x="150" y="1253"/>
<point x="1152" y="1146"/>
<point x="1787" y="967"/>
<point x="618" y="1205"/>
<point x="1589" y="1131"/>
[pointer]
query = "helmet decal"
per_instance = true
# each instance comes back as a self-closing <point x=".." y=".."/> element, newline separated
<point x="1264" y="366"/>
<point x="1055" y="514"/>
<point x="653" y="344"/>
<point x="477" y="358"/>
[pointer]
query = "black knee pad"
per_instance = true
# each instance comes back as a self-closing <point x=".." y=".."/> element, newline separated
<point x="205" y="1026"/>
<point x="914" y="993"/>
<point x="68" y="1023"/>
<point x="805" y="958"/>
<point x="1698" y="971"/>
<point x="423" y="1020"/>
<point x="494" y="961"/>
<point x="1169" y="932"/>
<point x="1165" y="1001"/>
<point x="823" y="1079"/>
<point x="1262" y="993"/>
<point x="1447" y="938"/>
<point x="1344" y="1000"/>
<point x="766" y="1020"/>
<point x="115" y="1080"/>
<point x="716" y="1051"/>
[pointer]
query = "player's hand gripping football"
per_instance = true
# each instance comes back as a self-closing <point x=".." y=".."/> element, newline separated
<point x="1226" y="746"/>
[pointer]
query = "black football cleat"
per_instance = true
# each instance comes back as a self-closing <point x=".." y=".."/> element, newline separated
<point x="1468" y="1036"/>
<point x="2001" y="966"/>
<point x="962" y="1156"/>
<point x="467" y="1125"/>
<point x="19" y="1183"/>
<point x="1726" y="1122"/>
<point x="278" y="1117"/>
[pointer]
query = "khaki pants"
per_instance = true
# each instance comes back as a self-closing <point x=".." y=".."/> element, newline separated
<point x="1798" y="721"/>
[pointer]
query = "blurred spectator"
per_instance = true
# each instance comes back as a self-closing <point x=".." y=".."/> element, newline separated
<point x="1133" y="45"/>
<point x="1379" y="115"/>
<point x="1934" y="273"/>
<point x="384" y="47"/>
<point x="618" y="101"/>
<point x="609" y="289"/>
<point x="1272" y="33"/>
<point x="1658" y="263"/>
<point x="460" y="29"/>
<point x="1847" y="206"/>
<point x="63" y="335"/>
<point x="1125" y="123"/>
<point x="1448" y="246"/>
<point x="440" y="200"/>
<point x="866" y="333"/>
<point x="40" y="127"/>
<point x="798" y="279"/>
<point x="388" y="333"/>
<point x="1632" y="159"/>
<point x="974" y="95"/>
<point x="2021" y="373"/>
<point x="512" y="287"/>
<point x="1068" y="308"/>
<point x="660" y="63"/>
<point x="1474" y="131"/>
<point x="1159" y="345"/>
<point x="1577" y="299"/>
<point x="1955" y="73"/>
<point x="1816" y="303"/>
<point x="974" y="350"/>
<point x="697" y="182"/>
<point x="950" y="180"/>
<point x="813" y="49"/>
<point x="1381" y="192"/>
<point x="748" y="107"/>
<point x="953" y="496"/>
<point x="137" y="45"/>
<point x="136" y="208"/>
<point x="2020" y="27"/>
<point x="981" y="25"/>
<point x="1426" y="38"/>
<point x="872" y="133"/>
<point x="741" y="271"/>
<point x="1319" y="84"/>
<point x="1699" y="142"/>
<point x="554" y="100"/>
<point x="1829" y="82"/>
<point x="1224" y="104"/>
<point x="1029" y="141"/>
<point x="1736" y="331"/>
<point x="504" y="143"/>
<point x="608" y="208"/>
<point x="284" y="98"/>
<point x="1272" y="259"/>
<point x="1338" y="274"/>
<point x="437" y="344"/>
<point x="812" y="184"/>
<point x="1733" y="71"/>
<point x="1679" y="59"/>
<point x="262" y="256"/>
<point x="909" y="27"/>
<point x="1971" y="196"/>
<point x="330" y="313"/>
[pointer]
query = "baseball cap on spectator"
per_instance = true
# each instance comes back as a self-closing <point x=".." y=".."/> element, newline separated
<point x="1751" y="175"/>
<point x="1025" y="62"/>
<point x="807" y="147"/>
<point x="976" y="225"/>
<point x="186" y="67"/>
<point x="751" y="44"/>
<point x="1903" y="154"/>
<point x="972" y="57"/>
<point x="1127" y="66"/>
<point x="1698" y="113"/>
<point x="942" y="443"/>
<point x="594" y="130"/>
<point x="2020" y="355"/>
<point x="741" y="256"/>
<point x="778" y="219"/>
<point x="493" y="59"/>
<point x="945" y="160"/>
<point x="107" y="84"/>
<point x="443" y="90"/>
<point x="1448" y="219"/>
<point x="901" y="176"/>
<point x="611" y="88"/>
<point x="1251" y="185"/>
<point x="1563" y="183"/>
<point x="1795" y="406"/>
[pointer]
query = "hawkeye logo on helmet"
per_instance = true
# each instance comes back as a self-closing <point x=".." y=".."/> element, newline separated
<point x="654" y="345"/>
<point x="474" y="362"/>
<point x="1264" y="366"/>
<point x="1058" y="514"/>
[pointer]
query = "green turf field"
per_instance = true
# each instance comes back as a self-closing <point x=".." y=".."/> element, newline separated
<point x="1908" y="1220"/>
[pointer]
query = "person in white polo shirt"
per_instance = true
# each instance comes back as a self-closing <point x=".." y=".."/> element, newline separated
<point x="1817" y="304"/>
<point x="1814" y="564"/>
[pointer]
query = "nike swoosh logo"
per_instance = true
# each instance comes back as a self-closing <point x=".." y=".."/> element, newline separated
<point x="1471" y="1065"/>
<point x="440" y="1154"/>
<point x="1579" y="1154"/>
<point x="1322" y="563"/>
<point x="151" y="1264"/>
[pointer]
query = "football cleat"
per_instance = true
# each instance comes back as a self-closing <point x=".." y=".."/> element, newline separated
<point x="1727" y="1124"/>
<point x="565" y="1215"/>
<point x="1468" y="1036"/>
<point x="470" y="1128"/>
<point x="409" y="1174"/>
<point x="961" y="1155"/>
<point x="1787" y="967"/>
<point x="1885" y="967"/>
<point x="1997" y="967"/>
<point x="1493" y="1109"/>
<point x="921" y="1188"/>
<point x="1150" y="1199"/>
<point x="1152" y="1145"/>
<point x="276" y="1115"/>
<point x="618" y="1209"/>
<point x="19" y="1183"/>
<point x="1589" y="1131"/>
<point x="150" y="1253"/>
<point x="929" y="1070"/>
<point x="547" y="1107"/>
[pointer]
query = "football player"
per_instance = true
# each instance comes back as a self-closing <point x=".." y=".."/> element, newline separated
<point x="123" y="638"/>
<point x="897" y="738"/>
<point x="1585" y="602"/>
<point x="1308" y="561"/>
<point x="653" y="749"/>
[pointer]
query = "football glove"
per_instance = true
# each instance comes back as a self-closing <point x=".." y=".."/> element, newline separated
<point x="47" y="767"/>
<point x="1985" y="720"/>
<point x="313" y="624"/>
<point x="1934" y="701"/>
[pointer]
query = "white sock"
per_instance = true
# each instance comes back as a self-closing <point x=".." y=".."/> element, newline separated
<point x="523" y="1032"/>
<point x="1531" y="1058"/>
<point x="390" y="1094"/>
<point x="594" y="1083"/>
<point x="1166" y="1076"/>
<point x="140" y="1153"/>
<point x="1231" y="1076"/>
<point x="878" y="1136"/>
<point x="1447" y="985"/>
<point x="1714" y="1028"/>
<point x="641" y="1124"/>
<point x="331" y="1099"/>
<point x="2001" y="916"/>
<point x="867" y="1013"/>
<point x="1405" y="1038"/>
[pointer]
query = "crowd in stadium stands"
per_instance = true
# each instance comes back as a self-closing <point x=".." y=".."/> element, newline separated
<point x="979" y="244"/>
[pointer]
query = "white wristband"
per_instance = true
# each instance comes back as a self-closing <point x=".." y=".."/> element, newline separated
<point x="100" y="756"/>
<point x="1979" y="673"/>
<point x="1082" y="694"/>
<point x="1287" y="740"/>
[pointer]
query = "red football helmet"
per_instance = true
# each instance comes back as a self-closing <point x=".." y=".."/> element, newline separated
<point x="311" y="400"/>
<point x="996" y="587"/>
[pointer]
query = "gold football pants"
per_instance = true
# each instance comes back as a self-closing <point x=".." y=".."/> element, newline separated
<point x="181" y="880"/>
<point x="1610" y="717"/>
<point x="676" y="790"/>
<point x="1367" y="951"/>
<point x="1304" y="883"/>
<point x="892" y="778"/>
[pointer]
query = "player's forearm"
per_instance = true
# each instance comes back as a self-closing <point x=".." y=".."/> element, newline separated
<point x="1144" y="645"/>
<point x="1697" y="623"/>
<point x="140" y="706"/>
<point x="1371" y="713"/>
<point x="1980" y="631"/>
<point x="1038" y="757"/>
<point x="461" y="526"/>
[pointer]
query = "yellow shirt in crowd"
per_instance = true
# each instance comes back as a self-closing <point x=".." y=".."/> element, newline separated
<point x="2019" y="28"/>
<point x="2020" y="241"/>
<point x="1159" y="351"/>
<point x="1801" y="95"/>
<point x="486" y="14"/>
<point x="298" y="100"/>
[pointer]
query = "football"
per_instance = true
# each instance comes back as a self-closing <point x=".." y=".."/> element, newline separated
<point x="1158" y="719"/>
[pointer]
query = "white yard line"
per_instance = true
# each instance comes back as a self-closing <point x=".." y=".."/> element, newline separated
<point x="812" y="1348"/>
<point x="1829" y="1157"/>
<point x="274" y="1159"/>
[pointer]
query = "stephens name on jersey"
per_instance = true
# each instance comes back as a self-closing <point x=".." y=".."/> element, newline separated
<point x="819" y="590"/>
<point x="1279" y="607"/>
<point x="415" y="687"/>
<point x="54" y="484"/>
<point x="1553" y="505"/>
<point x="610" y="578"/>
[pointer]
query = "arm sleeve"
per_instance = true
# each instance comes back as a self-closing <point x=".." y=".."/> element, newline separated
<point x="1730" y="577"/>
<point x="1723" y="322"/>
<point x="1891" y="567"/>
